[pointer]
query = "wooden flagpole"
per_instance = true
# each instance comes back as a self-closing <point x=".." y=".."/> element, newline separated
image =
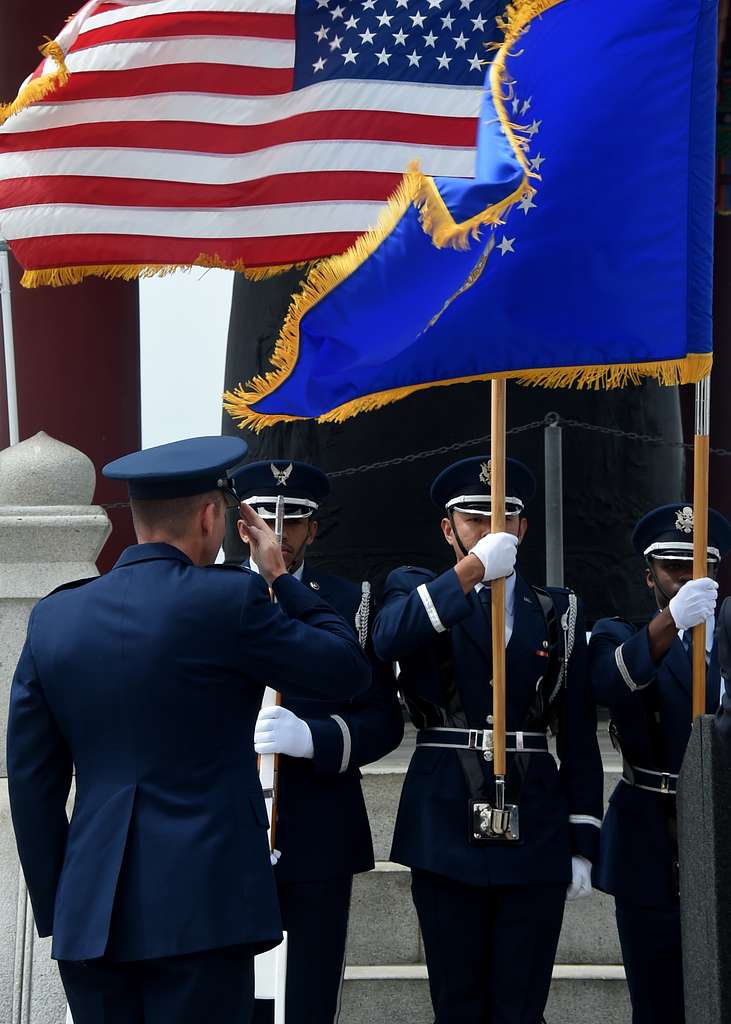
<point x="497" y="587"/>
<point x="700" y="531"/>
<point x="269" y="763"/>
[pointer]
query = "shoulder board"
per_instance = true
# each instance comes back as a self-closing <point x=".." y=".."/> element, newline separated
<point x="338" y="581"/>
<point x="557" y="590"/>
<point x="72" y="585"/>
<point x="614" y="619"/>
<point x="230" y="565"/>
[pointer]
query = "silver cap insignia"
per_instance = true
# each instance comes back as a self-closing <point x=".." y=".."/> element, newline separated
<point x="684" y="519"/>
<point x="485" y="474"/>
<point x="281" y="475"/>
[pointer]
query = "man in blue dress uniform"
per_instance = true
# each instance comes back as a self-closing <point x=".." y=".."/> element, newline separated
<point x="148" y="681"/>
<point x="644" y="677"/>
<point x="491" y="911"/>
<point x="322" y="825"/>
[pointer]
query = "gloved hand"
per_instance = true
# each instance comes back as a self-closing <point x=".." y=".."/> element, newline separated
<point x="694" y="603"/>
<point x="497" y="553"/>
<point x="580" y="879"/>
<point x="274" y="856"/>
<point x="279" y="731"/>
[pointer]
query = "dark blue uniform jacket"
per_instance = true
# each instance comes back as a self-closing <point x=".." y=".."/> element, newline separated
<point x="322" y="824"/>
<point x="636" y="859"/>
<point x="149" y="680"/>
<point x="560" y="809"/>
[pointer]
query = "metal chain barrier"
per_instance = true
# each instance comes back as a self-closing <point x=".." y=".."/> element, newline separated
<point x="551" y="419"/>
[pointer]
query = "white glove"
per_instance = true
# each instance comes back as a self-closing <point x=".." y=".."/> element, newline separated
<point x="274" y="856"/>
<point x="694" y="603"/>
<point x="580" y="879"/>
<point x="497" y="553"/>
<point x="279" y="731"/>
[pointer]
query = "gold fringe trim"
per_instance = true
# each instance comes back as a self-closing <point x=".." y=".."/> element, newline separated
<point x="39" y="88"/>
<point x="689" y="370"/>
<point x="56" y="277"/>
<point x="436" y="220"/>
<point x="514" y="22"/>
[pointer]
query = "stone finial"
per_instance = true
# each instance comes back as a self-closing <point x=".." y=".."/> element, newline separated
<point x="43" y="471"/>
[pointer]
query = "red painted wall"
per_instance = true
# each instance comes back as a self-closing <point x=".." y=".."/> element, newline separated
<point x="76" y="348"/>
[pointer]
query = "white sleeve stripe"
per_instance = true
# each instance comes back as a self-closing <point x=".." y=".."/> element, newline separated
<point x="347" y="744"/>
<point x="584" y="819"/>
<point x="430" y="609"/>
<point x="619" y="659"/>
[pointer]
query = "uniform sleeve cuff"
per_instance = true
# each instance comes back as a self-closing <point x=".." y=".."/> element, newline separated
<point x="585" y="831"/>
<point x="634" y="663"/>
<point x="444" y="601"/>
<point x="332" y="743"/>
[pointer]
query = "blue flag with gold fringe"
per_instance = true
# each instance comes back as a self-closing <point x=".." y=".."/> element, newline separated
<point x="581" y="252"/>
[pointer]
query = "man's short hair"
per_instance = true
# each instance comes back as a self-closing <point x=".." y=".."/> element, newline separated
<point x="171" y="516"/>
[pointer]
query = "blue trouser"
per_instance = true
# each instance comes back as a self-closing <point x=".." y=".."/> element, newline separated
<point x="489" y="951"/>
<point x="653" y="962"/>
<point x="315" y="917"/>
<point x="215" y="985"/>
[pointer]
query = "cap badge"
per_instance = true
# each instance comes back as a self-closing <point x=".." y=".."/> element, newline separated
<point x="485" y="474"/>
<point x="684" y="519"/>
<point x="281" y="475"/>
<point x="314" y="584"/>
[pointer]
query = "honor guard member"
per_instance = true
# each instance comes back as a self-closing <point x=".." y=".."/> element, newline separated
<point x="491" y="911"/>
<point x="322" y="825"/>
<point x="644" y="677"/>
<point x="148" y="681"/>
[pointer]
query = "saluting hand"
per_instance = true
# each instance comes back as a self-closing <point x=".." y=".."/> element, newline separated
<point x="265" y="549"/>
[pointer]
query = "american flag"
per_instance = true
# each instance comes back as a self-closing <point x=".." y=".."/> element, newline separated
<point x="237" y="132"/>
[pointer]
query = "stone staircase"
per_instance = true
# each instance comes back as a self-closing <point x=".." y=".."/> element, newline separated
<point x="385" y="977"/>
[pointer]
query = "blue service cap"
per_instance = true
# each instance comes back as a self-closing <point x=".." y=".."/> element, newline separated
<point x="179" y="469"/>
<point x="303" y="487"/>
<point x="465" y="486"/>
<point x="667" y="533"/>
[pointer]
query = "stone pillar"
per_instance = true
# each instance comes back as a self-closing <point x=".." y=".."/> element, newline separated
<point x="704" y="841"/>
<point x="49" y="534"/>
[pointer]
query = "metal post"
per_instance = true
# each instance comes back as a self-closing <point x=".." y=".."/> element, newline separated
<point x="7" y="319"/>
<point x="553" y="476"/>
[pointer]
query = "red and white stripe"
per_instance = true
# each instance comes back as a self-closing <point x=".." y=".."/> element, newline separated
<point x="178" y="136"/>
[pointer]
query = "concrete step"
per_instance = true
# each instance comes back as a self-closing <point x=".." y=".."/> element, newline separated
<point x="400" y="995"/>
<point x="382" y="789"/>
<point x="384" y="928"/>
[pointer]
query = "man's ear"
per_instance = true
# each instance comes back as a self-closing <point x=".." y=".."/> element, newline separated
<point x="207" y="518"/>
<point x="522" y="528"/>
<point x="649" y="581"/>
<point x="242" y="531"/>
<point x="312" y="528"/>
<point x="447" y="530"/>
